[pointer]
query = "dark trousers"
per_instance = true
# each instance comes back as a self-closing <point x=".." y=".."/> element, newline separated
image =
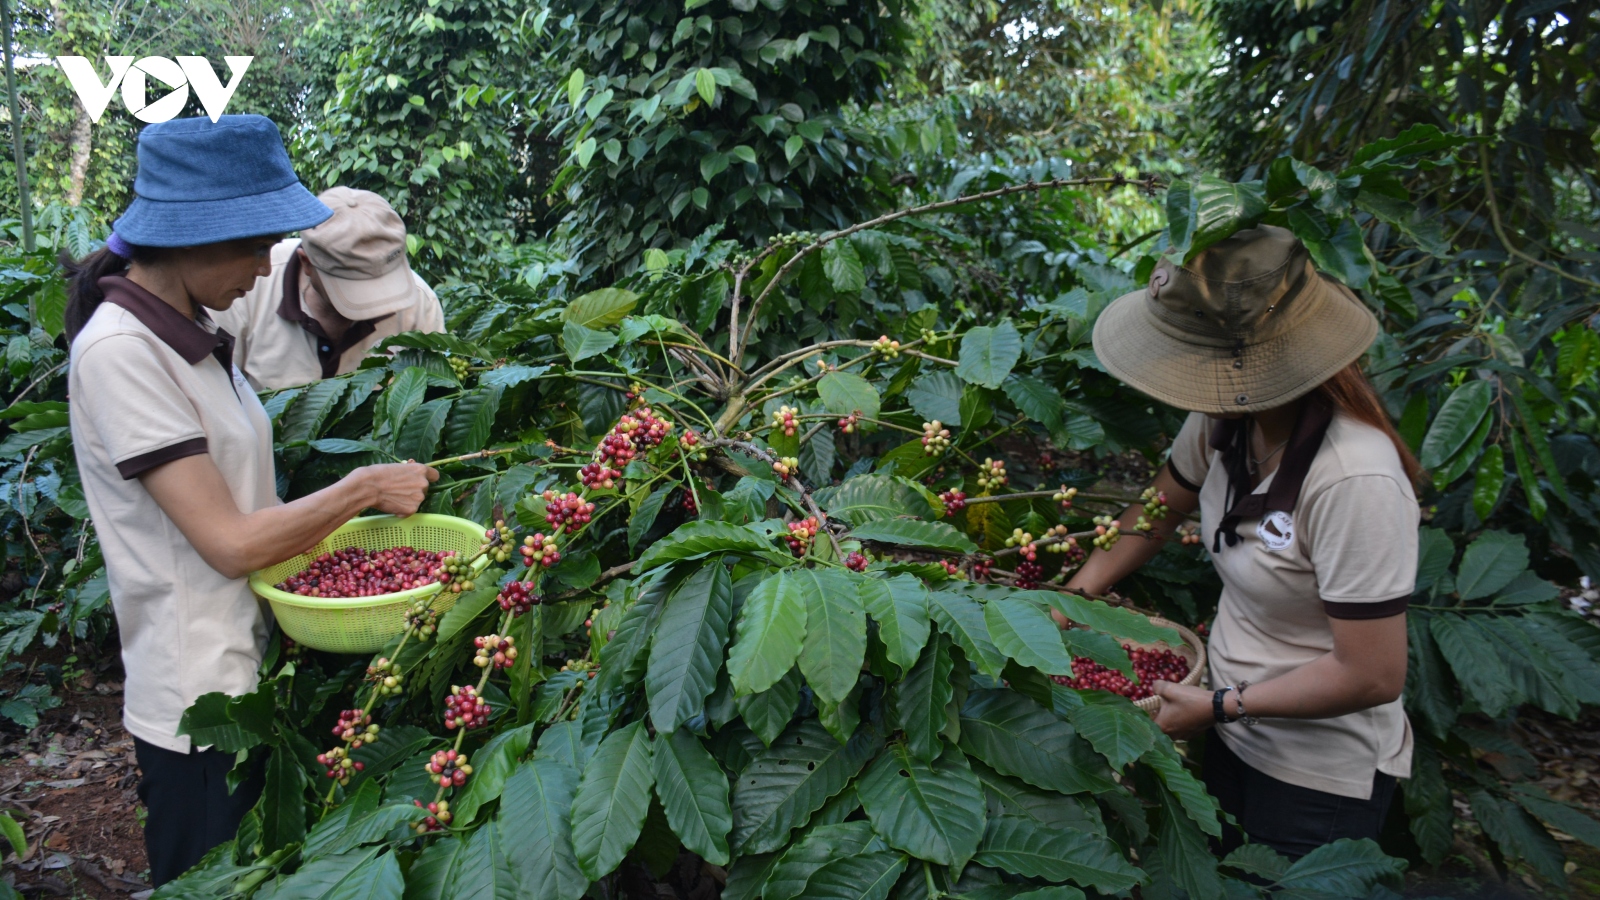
<point x="188" y="807"/>
<point x="1290" y="819"/>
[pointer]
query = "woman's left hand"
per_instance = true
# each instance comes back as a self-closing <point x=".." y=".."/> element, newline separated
<point x="1185" y="711"/>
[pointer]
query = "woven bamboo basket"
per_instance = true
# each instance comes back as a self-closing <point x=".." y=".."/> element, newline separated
<point x="1193" y="650"/>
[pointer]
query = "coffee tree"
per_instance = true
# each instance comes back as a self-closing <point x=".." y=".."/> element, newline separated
<point x="786" y="623"/>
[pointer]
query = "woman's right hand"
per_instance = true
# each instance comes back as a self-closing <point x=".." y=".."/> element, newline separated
<point x="397" y="488"/>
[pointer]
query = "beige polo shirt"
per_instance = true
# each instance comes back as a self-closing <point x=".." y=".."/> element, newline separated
<point x="148" y="386"/>
<point x="277" y="344"/>
<point x="1348" y="550"/>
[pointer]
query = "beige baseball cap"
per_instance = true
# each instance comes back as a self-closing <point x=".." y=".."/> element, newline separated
<point x="360" y="254"/>
<point x="1248" y="324"/>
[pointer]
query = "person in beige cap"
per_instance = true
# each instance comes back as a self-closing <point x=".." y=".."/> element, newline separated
<point x="1306" y="502"/>
<point x="332" y="295"/>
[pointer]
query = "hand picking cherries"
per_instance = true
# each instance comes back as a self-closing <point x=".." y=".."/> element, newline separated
<point x="464" y="708"/>
<point x="359" y="572"/>
<point x="518" y="597"/>
<point x="1150" y="665"/>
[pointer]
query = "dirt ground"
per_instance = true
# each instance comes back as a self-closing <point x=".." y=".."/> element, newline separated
<point x="70" y="782"/>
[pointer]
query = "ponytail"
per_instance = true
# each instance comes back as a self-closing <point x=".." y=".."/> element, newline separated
<point x="83" y="289"/>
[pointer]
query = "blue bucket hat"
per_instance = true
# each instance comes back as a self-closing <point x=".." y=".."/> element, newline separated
<point x="203" y="182"/>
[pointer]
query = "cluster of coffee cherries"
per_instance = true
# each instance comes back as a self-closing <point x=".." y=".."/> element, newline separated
<point x="1047" y="461"/>
<point x="980" y="569"/>
<point x="1064" y="543"/>
<point x="421" y="618"/>
<point x="497" y="541"/>
<point x="690" y="442"/>
<point x="494" y="650"/>
<point x="1020" y="538"/>
<point x="1188" y="534"/>
<point x="1155" y="509"/>
<point x="935" y="438"/>
<point x="454" y="572"/>
<point x="1028" y="575"/>
<point x="786" y="467"/>
<point x="886" y="348"/>
<point x="787" y="420"/>
<point x="1064" y="497"/>
<point x="689" y="506"/>
<point x="1151" y="665"/>
<point x="582" y="666"/>
<point x="951" y="569"/>
<point x="801" y="533"/>
<point x="438" y="816"/>
<point x="354" y="727"/>
<point x="598" y="475"/>
<point x="856" y="561"/>
<point x="540" y="550"/>
<point x="448" y="768"/>
<point x="566" y="511"/>
<point x="643" y="427"/>
<point x="1107" y="531"/>
<point x="338" y="764"/>
<point x="847" y="425"/>
<point x="992" y="474"/>
<point x="954" y="501"/>
<point x="386" y="679"/>
<point x="460" y="365"/>
<point x="359" y="572"/>
<point x="518" y="597"/>
<point x="464" y="708"/>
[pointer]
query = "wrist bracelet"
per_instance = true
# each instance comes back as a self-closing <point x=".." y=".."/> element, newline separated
<point x="1244" y="717"/>
<point x="1218" y="710"/>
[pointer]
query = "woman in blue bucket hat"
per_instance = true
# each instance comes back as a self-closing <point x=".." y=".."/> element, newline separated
<point x="175" y="454"/>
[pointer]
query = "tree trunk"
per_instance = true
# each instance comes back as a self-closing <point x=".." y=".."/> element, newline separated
<point x="80" y="156"/>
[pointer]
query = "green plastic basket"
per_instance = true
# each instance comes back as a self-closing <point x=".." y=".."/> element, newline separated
<point x="365" y="624"/>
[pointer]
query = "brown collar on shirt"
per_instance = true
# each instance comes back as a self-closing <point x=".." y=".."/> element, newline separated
<point x="1232" y="439"/>
<point x="187" y="337"/>
<point x="329" y="350"/>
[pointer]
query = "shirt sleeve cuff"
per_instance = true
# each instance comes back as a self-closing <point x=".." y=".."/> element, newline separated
<point x="135" y="466"/>
<point x="1183" y="482"/>
<point x="1382" y="609"/>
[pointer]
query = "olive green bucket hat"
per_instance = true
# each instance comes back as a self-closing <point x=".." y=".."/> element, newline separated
<point x="1248" y="324"/>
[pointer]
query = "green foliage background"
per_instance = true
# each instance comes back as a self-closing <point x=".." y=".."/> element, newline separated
<point x="1437" y="157"/>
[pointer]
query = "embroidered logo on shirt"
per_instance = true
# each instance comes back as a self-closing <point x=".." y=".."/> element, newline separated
<point x="1276" y="530"/>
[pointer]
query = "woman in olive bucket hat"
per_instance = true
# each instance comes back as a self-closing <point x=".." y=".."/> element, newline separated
<point x="175" y="454"/>
<point x="1307" y="508"/>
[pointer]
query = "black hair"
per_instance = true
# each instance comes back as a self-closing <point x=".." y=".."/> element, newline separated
<point x="83" y="290"/>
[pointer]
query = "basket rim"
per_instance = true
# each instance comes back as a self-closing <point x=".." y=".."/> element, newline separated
<point x="271" y="594"/>
<point x="1153" y="703"/>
